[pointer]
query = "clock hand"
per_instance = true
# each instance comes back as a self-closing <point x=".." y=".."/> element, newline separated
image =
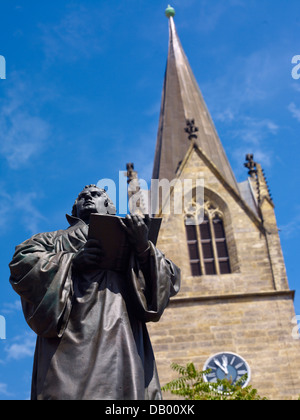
<point x="220" y="366"/>
<point x="225" y="364"/>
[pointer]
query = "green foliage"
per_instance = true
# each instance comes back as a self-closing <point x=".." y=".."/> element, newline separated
<point x="192" y="386"/>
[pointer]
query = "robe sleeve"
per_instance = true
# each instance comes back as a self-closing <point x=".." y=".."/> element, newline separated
<point x="152" y="285"/>
<point x="42" y="277"/>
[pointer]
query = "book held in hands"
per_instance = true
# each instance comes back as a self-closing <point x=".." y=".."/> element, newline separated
<point x="113" y="238"/>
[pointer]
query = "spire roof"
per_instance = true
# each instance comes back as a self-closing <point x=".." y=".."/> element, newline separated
<point x="181" y="101"/>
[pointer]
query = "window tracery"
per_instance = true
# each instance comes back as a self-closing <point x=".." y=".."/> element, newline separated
<point x="206" y="239"/>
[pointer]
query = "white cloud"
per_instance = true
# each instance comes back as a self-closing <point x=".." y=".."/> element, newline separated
<point x="292" y="228"/>
<point x="4" y="391"/>
<point x="11" y="307"/>
<point x="253" y="131"/>
<point x="75" y="37"/>
<point x="23" y="137"/>
<point x="30" y="214"/>
<point x="23" y="133"/>
<point x="246" y="80"/>
<point x="251" y="135"/>
<point x="19" y="206"/>
<point x="296" y="86"/>
<point x="210" y="13"/>
<point x="226" y="115"/>
<point x="295" y="111"/>
<point x="21" y="347"/>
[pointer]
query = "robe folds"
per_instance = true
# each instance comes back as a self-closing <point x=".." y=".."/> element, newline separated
<point x="92" y="340"/>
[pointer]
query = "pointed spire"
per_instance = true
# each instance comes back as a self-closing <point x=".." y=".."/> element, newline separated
<point x="182" y="101"/>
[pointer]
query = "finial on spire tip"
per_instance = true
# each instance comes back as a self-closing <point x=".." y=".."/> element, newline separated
<point x="170" y="11"/>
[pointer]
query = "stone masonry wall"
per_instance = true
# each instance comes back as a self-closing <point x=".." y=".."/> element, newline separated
<point x="258" y="328"/>
<point x="248" y="312"/>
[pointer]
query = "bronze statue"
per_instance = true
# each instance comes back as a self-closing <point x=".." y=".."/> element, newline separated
<point x="92" y="339"/>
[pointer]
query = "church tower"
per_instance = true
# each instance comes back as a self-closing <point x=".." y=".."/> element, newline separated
<point x="235" y="310"/>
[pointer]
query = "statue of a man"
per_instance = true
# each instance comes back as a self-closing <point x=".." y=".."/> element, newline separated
<point x="92" y="339"/>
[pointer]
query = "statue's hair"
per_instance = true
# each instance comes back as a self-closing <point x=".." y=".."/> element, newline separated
<point x="74" y="209"/>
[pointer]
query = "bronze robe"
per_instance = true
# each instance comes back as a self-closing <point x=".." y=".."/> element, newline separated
<point x="92" y="339"/>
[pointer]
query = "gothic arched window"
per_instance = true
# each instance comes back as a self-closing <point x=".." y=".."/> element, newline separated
<point x="207" y="246"/>
<point x="221" y="245"/>
<point x="207" y="242"/>
<point x="192" y="240"/>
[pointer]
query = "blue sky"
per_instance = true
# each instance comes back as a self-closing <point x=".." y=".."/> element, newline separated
<point x="82" y="97"/>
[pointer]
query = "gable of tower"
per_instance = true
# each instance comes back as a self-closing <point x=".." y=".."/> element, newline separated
<point x="245" y="241"/>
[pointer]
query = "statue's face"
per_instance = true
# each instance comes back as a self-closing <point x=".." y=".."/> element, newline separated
<point x="93" y="200"/>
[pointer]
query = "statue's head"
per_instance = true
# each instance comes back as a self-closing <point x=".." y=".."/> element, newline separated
<point x="92" y="200"/>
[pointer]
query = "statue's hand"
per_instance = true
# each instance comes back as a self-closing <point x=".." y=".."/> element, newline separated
<point x="90" y="256"/>
<point x="137" y="232"/>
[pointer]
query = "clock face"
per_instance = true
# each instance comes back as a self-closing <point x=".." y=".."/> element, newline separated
<point x="227" y="365"/>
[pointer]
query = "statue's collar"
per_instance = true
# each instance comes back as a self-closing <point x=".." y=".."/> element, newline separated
<point x="74" y="220"/>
